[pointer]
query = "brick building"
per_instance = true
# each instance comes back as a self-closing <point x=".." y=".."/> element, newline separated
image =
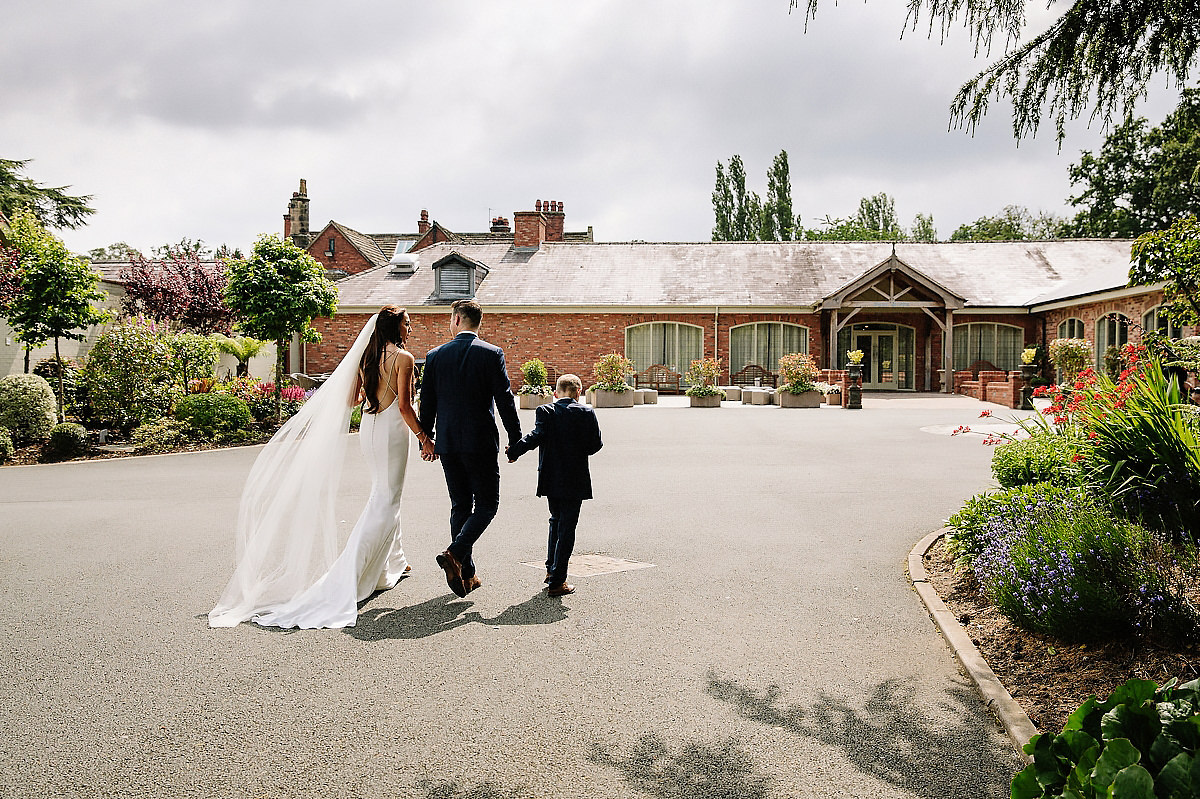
<point x="919" y="311"/>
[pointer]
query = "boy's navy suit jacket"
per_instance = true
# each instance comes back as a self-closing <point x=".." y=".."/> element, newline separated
<point x="565" y="433"/>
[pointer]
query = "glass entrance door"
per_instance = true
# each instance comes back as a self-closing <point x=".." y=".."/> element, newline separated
<point x="879" y="359"/>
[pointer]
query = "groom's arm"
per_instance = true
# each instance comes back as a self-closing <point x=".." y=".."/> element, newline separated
<point x="506" y="403"/>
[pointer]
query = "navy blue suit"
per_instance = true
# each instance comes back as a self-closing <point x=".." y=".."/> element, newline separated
<point x="565" y="434"/>
<point x="464" y="379"/>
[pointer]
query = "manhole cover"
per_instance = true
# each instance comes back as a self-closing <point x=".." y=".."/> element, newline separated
<point x="590" y="565"/>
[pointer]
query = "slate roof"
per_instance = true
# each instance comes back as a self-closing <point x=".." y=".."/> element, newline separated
<point x="986" y="274"/>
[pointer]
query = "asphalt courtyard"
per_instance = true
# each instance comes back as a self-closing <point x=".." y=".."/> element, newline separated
<point x="774" y="649"/>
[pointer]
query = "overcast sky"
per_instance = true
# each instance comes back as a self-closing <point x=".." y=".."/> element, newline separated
<point x="199" y="119"/>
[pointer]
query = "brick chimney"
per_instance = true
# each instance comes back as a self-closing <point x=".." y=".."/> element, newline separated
<point x="423" y="225"/>
<point x="500" y="225"/>
<point x="554" y="220"/>
<point x="529" y="227"/>
<point x="295" y="221"/>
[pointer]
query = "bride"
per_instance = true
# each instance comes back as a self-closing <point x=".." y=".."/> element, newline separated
<point x="289" y="572"/>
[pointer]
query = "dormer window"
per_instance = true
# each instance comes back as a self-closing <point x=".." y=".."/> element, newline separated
<point x="457" y="277"/>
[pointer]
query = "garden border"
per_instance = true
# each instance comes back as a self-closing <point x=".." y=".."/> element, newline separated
<point x="1016" y="721"/>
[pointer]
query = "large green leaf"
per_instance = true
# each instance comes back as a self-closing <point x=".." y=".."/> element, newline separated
<point x="1026" y="786"/>
<point x="1139" y="723"/>
<point x="1175" y="779"/>
<point x="1133" y="782"/>
<point x="1117" y="755"/>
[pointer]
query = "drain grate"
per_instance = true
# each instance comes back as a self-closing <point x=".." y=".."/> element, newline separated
<point x="591" y="565"/>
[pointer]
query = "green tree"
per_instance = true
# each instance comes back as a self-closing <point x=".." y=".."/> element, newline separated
<point x="1013" y="223"/>
<point x="52" y="207"/>
<point x="877" y="214"/>
<point x="722" y="199"/>
<point x="117" y="251"/>
<point x="1143" y="179"/>
<point x="57" y="291"/>
<point x="276" y="293"/>
<point x="1097" y="54"/>
<point x="241" y="347"/>
<point x="746" y="214"/>
<point x="778" y="221"/>
<point x="923" y="229"/>
<point x="1171" y="257"/>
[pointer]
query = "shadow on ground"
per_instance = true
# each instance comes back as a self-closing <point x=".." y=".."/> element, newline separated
<point x="448" y="612"/>
<point x="694" y="770"/>
<point x="930" y="754"/>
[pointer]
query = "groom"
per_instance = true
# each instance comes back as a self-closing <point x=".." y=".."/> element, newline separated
<point x="461" y="381"/>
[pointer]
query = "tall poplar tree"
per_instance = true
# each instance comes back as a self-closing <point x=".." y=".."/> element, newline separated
<point x="778" y="222"/>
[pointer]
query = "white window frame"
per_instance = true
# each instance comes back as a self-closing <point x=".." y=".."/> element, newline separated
<point x="1066" y="325"/>
<point x="1102" y="330"/>
<point x="678" y="363"/>
<point x="963" y="333"/>
<point x="804" y="334"/>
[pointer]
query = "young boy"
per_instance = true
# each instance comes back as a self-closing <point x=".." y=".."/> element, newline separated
<point x="566" y="433"/>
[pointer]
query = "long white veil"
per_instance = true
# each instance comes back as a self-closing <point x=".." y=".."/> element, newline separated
<point x="287" y="535"/>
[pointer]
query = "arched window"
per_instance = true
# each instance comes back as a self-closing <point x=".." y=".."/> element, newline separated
<point x="673" y="344"/>
<point x="1071" y="328"/>
<point x="764" y="343"/>
<point x="999" y="345"/>
<point x="1155" y="319"/>
<point x="1112" y="330"/>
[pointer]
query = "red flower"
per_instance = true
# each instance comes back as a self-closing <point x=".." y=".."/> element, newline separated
<point x="1076" y="458"/>
<point x="984" y="413"/>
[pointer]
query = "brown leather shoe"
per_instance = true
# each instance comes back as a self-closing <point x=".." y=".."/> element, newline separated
<point x="562" y="589"/>
<point x="470" y="584"/>
<point x="453" y="571"/>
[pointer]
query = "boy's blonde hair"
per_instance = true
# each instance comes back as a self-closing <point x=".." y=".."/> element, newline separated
<point x="570" y="385"/>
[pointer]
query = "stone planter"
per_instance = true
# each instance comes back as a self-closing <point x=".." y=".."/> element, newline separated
<point x="531" y="401"/>
<point x="732" y="393"/>
<point x="613" y="399"/>
<point x="833" y="398"/>
<point x="706" y="402"/>
<point x="807" y="399"/>
<point x="759" y="396"/>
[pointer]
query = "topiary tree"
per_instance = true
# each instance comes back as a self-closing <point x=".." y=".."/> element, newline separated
<point x="27" y="407"/>
<point x="128" y="374"/>
<point x="57" y="290"/>
<point x="276" y="293"/>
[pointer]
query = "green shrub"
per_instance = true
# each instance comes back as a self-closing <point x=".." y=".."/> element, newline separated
<point x="161" y="435"/>
<point x="194" y="357"/>
<point x="356" y="418"/>
<point x="1140" y="742"/>
<point x="1044" y="457"/>
<point x="1142" y="446"/>
<point x="49" y="368"/>
<point x="6" y="445"/>
<point x="27" y="407"/>
<point x="1053" y="560"/>
<point x="128" y="374"/>
<point x="213" y="415"/>
<point x="68" y="440"/>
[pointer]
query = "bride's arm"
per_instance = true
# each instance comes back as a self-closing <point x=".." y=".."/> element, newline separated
<point x="403" y="375"/>
<point x="356" y="394"/>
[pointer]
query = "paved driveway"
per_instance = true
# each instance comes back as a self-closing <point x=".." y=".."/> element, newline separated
<point x="774" y="650"/>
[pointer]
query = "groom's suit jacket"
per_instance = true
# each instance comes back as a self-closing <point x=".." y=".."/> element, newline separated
<point x="463" y="380"/>
<point x="565" y="433"/>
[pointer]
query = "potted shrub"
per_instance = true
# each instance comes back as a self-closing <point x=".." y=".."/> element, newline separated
<point x="1070" y="356"/>
<point x="534" y="391"/>
<point x="703" y="391"/>
<point x="611" y="389"/>
<point x="797" y="377"/>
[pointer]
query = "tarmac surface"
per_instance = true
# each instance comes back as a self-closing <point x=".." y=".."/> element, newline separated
<point x="774" y="649"/>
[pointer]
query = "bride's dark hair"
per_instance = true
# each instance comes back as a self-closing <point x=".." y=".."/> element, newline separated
<point x="389" y="329"/>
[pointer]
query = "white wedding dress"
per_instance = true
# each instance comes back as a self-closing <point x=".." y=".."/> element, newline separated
<point x="291" y="569"/>
<point x="373" y="558"/>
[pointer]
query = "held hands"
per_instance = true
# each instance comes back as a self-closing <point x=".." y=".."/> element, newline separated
<point x="427" y="453"/>
<point x="508" y="454"/>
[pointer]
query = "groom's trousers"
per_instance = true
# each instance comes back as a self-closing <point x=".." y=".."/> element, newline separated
<point x="473" y="482"/>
